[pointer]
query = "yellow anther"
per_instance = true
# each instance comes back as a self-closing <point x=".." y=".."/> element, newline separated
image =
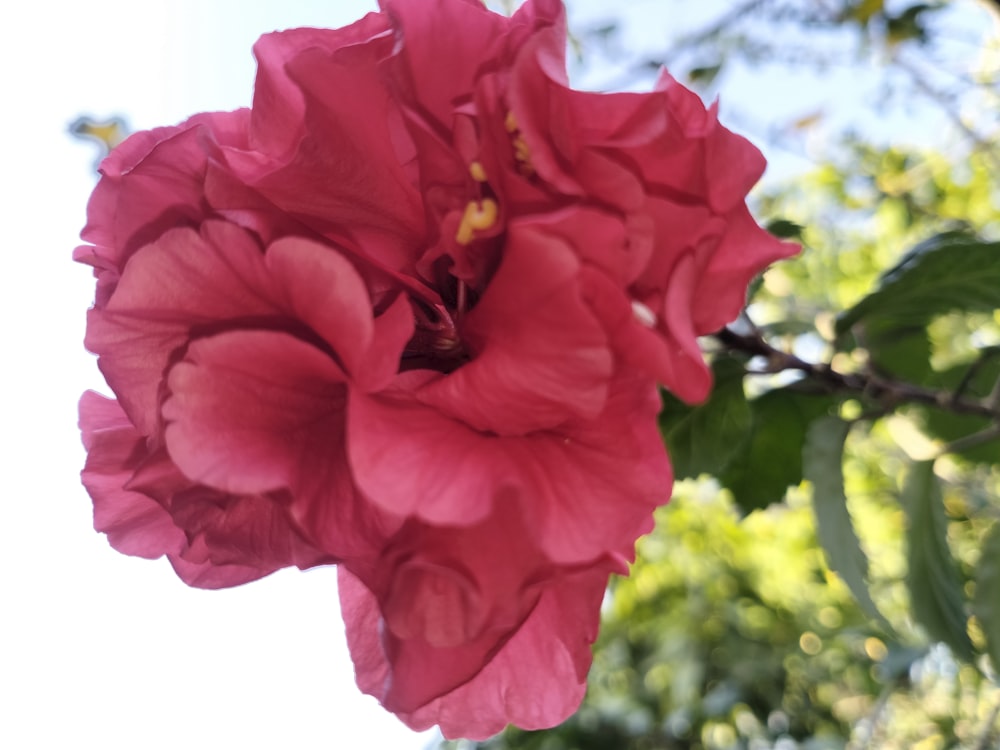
<point x="510" y="122"/>
<point x="522" y="155"/>
<point x="478" y="215"/>
<point x="477" y="172"/>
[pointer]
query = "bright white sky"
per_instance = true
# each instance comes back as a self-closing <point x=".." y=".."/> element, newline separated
<point x="98" y="649"/>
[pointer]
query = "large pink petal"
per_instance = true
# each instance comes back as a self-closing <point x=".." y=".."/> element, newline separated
<point x="245" y="407"/>
<point x="587" y="488"/>
<point x="191" y="283"/>
<point x="590" y="488"/>
<point x="251" y="412"/>
<point x="536" y="679"/>
<point x="331" y="144"/>
<point x="409" y="459"/>
<point x="539" y="677"/>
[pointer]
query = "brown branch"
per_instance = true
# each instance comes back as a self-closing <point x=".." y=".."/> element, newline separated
<point x="870" y="385"/>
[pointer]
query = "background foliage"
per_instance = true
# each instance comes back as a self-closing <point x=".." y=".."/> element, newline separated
<point x="828" y="573"/>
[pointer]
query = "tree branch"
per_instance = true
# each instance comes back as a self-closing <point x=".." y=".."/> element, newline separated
<point x="869" y="385"/>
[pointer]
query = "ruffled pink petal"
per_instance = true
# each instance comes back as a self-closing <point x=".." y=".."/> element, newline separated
<point x="587" y="488"/>
<point x="539" y="355"/>
<point x="590" y="488"/>
<point x="535" y="680"/>
<point x="692" y="380"/>
<point x="743" y="251"/>
<point x="134" y="523"/>
<point x="185" y="279"/>
<point x="411" y="460"/>
<point x="331" y="143"/>
<point x="190" y="283"/>
<point x="154" y="181"/>
<point x="445" y="44"/>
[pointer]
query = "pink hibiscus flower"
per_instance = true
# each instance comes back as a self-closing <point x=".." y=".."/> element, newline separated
<point x="407" y="314"/>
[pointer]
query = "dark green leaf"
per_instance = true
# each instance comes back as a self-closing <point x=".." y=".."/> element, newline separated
<point x="822" y="460"/>
<point x="986" y="604"/>
<point x="770" y="460"/>
<point x="703" y="438"/>
<point x="951" y="271"/>
<point x="900" y="352"/>
<point x="977" y="381"/>
<point x="932" y="577"/>
<point x="785" y="229"/>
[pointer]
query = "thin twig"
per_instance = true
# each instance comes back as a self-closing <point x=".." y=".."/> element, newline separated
<point x="864" y="384"/>
<point x="971" y="441"/>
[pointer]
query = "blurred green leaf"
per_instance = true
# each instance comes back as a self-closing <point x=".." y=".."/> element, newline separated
<point x="986" y="603"/>
<point x="769" y="460"/>
<point x="932" y="577"/>
<point x="951" y="271"/>
<point x="822" y="461"/>
<point x="902" y="352"/>
<point x="703" y="438"/>
<point x="977" y="381"/>
<point x="785" y="229"/>
<point x="704" y="75"/>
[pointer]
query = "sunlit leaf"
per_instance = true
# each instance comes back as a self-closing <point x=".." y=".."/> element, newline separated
<point x="932" y="577"/>
<point x="822" y="460"/>
<point x="986" y="604"/>
<point x="948" y="272"/>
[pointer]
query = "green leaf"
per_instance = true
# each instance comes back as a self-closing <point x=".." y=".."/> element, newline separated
<point x="979" y="380"/>
<point x="702" y="439"/>
<point x="785" y="229"/>
<point x="951" y="271"/>
<point x="769" y="460"/>
<point x="932" y="577"/>
<point x="704" y="75"/>
<point x="902" y="352"/>
<point x="986" y="603"/>
<point x="822" y="461"/>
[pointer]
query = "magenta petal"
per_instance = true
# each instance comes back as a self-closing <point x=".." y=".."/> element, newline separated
<point x="321" y="289"/>
<point x="411" y="460"/>
<point x="134" y="523"/>
<point x="256" y="411"/>
<point x="419" y="672"/>
<point x="183" y="280"/>
<point x="742" y="252"/>
<point x="246" y="408"/>
<point x="535" y="679"/>
<point x="538" y="678"/>
<point x="590" y="488"/>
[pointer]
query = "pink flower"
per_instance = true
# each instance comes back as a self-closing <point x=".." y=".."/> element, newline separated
<point x="407" y="314"/>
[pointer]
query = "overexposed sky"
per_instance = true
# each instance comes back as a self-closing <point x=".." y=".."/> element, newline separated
<point x="98" y="649"/>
